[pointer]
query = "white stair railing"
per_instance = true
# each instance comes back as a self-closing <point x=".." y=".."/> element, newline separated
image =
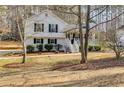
<point x="76" y="46"/>
<point x="69" y="45"/>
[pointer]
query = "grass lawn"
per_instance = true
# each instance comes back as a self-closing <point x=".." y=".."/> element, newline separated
<point x="41" y="74"/>
<point x="50" y="60"/>
<point x="44" y="60"/>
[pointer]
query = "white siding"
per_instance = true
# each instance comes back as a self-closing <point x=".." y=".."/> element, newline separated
<point x="46" y="20"/>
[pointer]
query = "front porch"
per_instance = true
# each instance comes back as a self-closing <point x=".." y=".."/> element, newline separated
<point x="73" y="39"/>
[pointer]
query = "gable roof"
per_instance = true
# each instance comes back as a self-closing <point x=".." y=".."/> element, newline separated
<point x="50" y="13"/>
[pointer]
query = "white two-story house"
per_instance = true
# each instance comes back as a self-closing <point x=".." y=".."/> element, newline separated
<point x="48" y="28"/>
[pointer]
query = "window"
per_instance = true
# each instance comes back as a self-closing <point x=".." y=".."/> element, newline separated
<point x="53" y="28"/>
<point x="38" y="41"/>
<point x="52" y="41"/>
<point x="38" y="27"/>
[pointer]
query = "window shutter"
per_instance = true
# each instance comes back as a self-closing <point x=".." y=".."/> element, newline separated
<point x="56" y="27"/>
<point x="48" y="41"/>
<point x="41" y="41"/>
<point x="49" y="27"/>
<point x="73" y="35"/>
<point x="55" y="41"/>
<point x="34" y="40"/>
<point x="72" y="41"/>
<point x="42" y="27"/>
<point x="35" y="27"/>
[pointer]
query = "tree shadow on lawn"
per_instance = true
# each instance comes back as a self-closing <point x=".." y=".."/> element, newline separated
<point x="72" y="65"/>
<point x="91" y="65"/>
<point x="98" y="81"/>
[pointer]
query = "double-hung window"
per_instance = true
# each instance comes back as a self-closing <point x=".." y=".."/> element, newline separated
<point x="38" y="41"/>
<point x="52" y="41"/>
<point x="38" y="27"/>
<point x="53" y="28"/>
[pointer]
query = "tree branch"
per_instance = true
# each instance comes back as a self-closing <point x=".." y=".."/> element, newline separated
<point x="99" y="13"/>
<point x="106" y="21"/>
<point x="71" y="9"/>
<point x="96" y="9"/>
<point x="63" y="11"/>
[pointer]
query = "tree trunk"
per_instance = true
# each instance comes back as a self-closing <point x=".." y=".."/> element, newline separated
<point x="87" y="31"/>
<point x="21" y="33"/>
<point x="83" y="60"/>
<point x="22" y="41"/>
<point x="118" y="55"/>
<point x="24" y="51"/>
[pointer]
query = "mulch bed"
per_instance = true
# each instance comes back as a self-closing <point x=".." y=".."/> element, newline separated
<point x="19" y="65"/>
<point x="30" y="54"/>
<point x="91" y="65"/>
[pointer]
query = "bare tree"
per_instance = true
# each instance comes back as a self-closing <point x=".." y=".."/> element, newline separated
<point x="21" y="25"/>
<point x="87" y="31"/>
<point x="83" y="58"/>
<point x="114" y="33"/>
<point x="99" y="13"/>
<point x="114" y="42"/>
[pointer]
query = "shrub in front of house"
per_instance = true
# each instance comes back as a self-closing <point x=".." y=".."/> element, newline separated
<point x="97" y="48"/>
<point x="90" y="48"/>
<point x="58" y="47"/>
<point x="30" y="48"/>
<point x="94" y="48"/>
<point x="48" y="47"/>
<point x="40" y="47"/>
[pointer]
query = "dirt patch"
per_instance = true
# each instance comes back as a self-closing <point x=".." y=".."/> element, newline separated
<point x="19" y="65"/>
<point x="91" y="65"/>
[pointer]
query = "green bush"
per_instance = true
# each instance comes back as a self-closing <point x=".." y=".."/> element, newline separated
<point x="40" y="47"/>
<point x="48" y="47"/>
<point x="97" y="48"/>
<point x="90" y="48"/>
<point x="94" y="48"/>
<point x="30" y="48"/>
<point x="58" y="47"/>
